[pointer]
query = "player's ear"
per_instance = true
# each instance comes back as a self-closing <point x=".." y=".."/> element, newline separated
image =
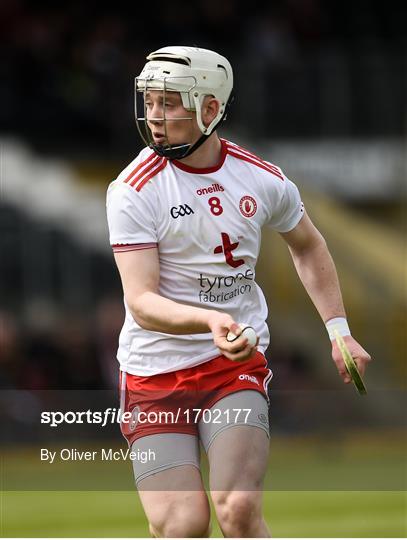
<point x="210" y="109"/>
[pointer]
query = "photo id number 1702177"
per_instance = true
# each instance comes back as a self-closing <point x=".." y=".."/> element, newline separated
<point x="217" y="416"/>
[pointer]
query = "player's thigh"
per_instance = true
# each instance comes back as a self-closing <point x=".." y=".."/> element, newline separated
<point x="238" y="459"/>
<point x="238" y="449"/>
<point x="170" y="485"/>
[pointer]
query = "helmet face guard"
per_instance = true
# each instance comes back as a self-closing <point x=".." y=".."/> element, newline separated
<point x="194" y="73"/>
<point x="142" y="87"/>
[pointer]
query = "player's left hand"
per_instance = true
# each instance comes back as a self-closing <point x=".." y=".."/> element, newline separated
<point x="237" y="350"/>
<point x="360" y="356"/>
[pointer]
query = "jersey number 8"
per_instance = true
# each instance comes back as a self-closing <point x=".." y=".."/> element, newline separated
<point x="215" y="206"/>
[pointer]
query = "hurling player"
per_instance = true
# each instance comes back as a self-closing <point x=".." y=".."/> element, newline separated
<point x="185" y="220"/>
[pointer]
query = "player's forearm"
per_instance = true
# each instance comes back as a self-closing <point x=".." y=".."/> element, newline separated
<point x="154" y="312"/>
<point x="317" y="272"/>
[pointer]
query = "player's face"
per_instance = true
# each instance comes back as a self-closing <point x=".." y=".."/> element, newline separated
<point x="170" y="123"/>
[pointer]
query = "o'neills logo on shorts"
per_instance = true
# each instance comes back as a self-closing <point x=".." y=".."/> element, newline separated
<point x="250" y="378"/>
<point x="214" y="188"/>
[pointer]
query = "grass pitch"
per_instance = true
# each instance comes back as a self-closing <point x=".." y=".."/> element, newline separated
<point x="119" y="514"/>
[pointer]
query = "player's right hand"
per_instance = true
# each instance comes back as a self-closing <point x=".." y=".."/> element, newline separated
<point x="238" y="350"/>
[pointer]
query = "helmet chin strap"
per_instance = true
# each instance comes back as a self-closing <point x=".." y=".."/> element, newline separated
<point x="178" y="151"/>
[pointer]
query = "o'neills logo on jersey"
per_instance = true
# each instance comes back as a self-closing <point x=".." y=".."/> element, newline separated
<point x="214" y="188"/>
<point x="248" y="206"/>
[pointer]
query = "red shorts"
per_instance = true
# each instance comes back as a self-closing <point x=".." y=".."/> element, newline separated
<point x="174" y="402"/>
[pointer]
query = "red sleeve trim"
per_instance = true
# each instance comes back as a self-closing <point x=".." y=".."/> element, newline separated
<point x="118" y="248"/>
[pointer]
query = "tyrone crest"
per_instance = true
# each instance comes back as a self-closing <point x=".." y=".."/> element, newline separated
<point x="247" y="206"/>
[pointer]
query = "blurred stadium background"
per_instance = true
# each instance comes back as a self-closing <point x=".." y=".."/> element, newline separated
<point x="321" y="90"/>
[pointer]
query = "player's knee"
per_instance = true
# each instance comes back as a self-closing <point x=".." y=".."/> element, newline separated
<point x="182" y="523"/>
<point x="237" y="511"/>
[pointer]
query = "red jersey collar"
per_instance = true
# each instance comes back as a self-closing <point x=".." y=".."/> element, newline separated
<point x="205" y="170"/>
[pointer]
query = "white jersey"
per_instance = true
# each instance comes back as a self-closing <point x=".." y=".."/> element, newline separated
<point x="207" y="225"/>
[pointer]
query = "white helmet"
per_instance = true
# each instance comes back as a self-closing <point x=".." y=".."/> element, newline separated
<point x="193" y="72"/>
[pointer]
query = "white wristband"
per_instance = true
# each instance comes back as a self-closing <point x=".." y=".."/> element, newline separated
<point x="340" y="324"/>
